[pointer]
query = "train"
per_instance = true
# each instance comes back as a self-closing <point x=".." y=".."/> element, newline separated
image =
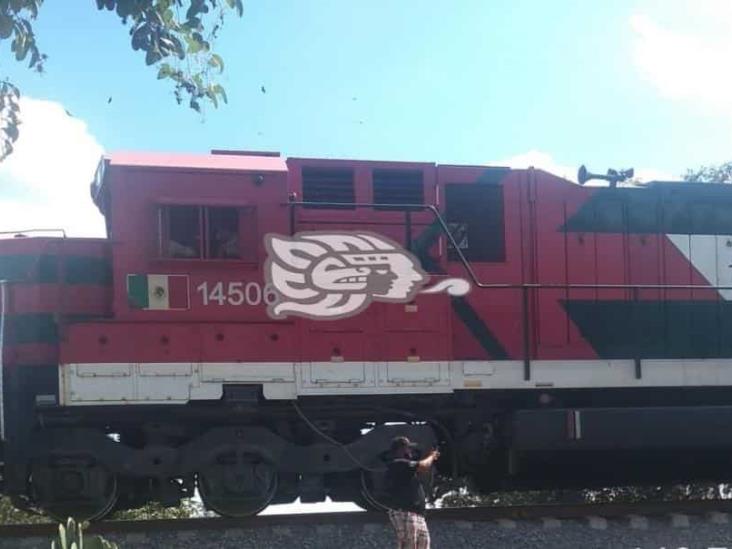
<point x="256" y="329"/>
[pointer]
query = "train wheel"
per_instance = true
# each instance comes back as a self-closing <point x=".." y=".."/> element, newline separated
<point x="82" y="491"/>
<point x="238" y="484"/>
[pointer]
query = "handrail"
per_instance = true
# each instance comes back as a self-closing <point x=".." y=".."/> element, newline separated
<point x="502" y="286"/>
<point x="525" y="288"/>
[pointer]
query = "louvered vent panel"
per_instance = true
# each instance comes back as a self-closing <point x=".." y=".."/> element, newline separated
<point x="328" y="185"/>
<point x="398" y="187"/>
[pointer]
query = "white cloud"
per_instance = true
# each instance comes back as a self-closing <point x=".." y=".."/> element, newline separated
<point x="650" y="174"/>
<point x="540" y="160"/>
<point x="688" y="60"/>
<point x="545" y="161"/>
<point x="45" y="182"/>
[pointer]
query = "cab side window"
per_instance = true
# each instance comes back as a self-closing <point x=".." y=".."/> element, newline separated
<point x="181" y="232"/>
<point x="474" y="213"/>
<point x="206" y="232"/>
<point x="223" y="233"/>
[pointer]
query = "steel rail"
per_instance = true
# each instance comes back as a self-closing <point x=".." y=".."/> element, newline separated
<point x="470" y="514"/>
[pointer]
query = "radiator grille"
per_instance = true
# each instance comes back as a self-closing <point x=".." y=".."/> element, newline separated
<point x="398" y="187"/>
<point x="328" y="186"/>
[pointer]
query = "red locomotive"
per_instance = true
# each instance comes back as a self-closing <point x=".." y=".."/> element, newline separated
<point x="260" y="328"/>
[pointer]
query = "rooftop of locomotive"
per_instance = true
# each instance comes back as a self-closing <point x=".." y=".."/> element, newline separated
<point x="266" y="161"/>
<point x="230" y="161"/>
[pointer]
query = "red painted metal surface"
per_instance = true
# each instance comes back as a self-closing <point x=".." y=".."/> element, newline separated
<point x="535" y="205"/>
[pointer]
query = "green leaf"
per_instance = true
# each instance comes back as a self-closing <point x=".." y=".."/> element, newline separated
<point x="219" y="89"/>
<point x="167" y="46"/>
<point x="165" y="71"/>
<point x="22" y="50"/>
<point x="153" y="56"/>
<point x="35" y="58"/>
<point x="140" y="37"/>
<point x="216" y="61"/>
<point x="6" y="26"/>
<point x="212" y="96"/>
<point x="194" y="46"/>
<point x="33" y="8"/>
<point x="12" y="132"/>
<point x="236" y="4"/>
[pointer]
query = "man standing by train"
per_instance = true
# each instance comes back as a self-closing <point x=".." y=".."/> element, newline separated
<point x="406" y="495"/>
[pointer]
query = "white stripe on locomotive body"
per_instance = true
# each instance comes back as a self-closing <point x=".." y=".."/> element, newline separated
<point x="178" y="383"/>
<point x="710" y="255"/>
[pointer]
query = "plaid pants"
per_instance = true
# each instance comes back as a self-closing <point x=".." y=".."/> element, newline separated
<point x="411" y="530"/>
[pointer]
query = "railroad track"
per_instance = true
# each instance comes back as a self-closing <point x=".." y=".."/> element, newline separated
<point x="470" y="514"/>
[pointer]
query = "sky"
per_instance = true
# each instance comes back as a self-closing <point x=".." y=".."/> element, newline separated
<point x="628" y="83"/>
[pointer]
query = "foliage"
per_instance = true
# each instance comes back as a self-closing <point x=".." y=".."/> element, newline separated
<point x="175" y="35"/>
<point x="461" y="494"/>
<point x="673" y="492"/>
<point x="161" y="31"/>
<point x="9" y="120"/>
<point x="9" y="514"/>
<point x="154" y="510"/>
<point x="15" y="25"/>
<point x="721" y="173"/>
<point x="71" y="536"/>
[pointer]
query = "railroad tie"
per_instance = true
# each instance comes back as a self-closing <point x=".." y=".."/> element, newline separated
<point x="638" y="522"/>
<point x="551" y="522"/>
<point x="715" y="517"/>
<point x="679" y="521"/>
<point x="282" y="530"/>
<point x="597" y="523"/>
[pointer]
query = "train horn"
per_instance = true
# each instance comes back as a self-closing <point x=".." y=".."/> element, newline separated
<point x="612" y="176"/>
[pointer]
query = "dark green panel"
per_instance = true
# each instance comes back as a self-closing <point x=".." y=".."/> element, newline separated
<point x="44" y="269"/>
<point x="88" y="270"/>
<point x="31" y="328"/>
<point x="654" y="329"/>
<point x="36" y="327"/>
<point x="662" y="208"/>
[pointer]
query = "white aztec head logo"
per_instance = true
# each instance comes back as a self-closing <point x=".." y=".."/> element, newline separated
<point x="337" y="274"/>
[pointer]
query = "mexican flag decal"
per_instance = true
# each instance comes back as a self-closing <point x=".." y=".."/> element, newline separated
<point x="157" y="292"/>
